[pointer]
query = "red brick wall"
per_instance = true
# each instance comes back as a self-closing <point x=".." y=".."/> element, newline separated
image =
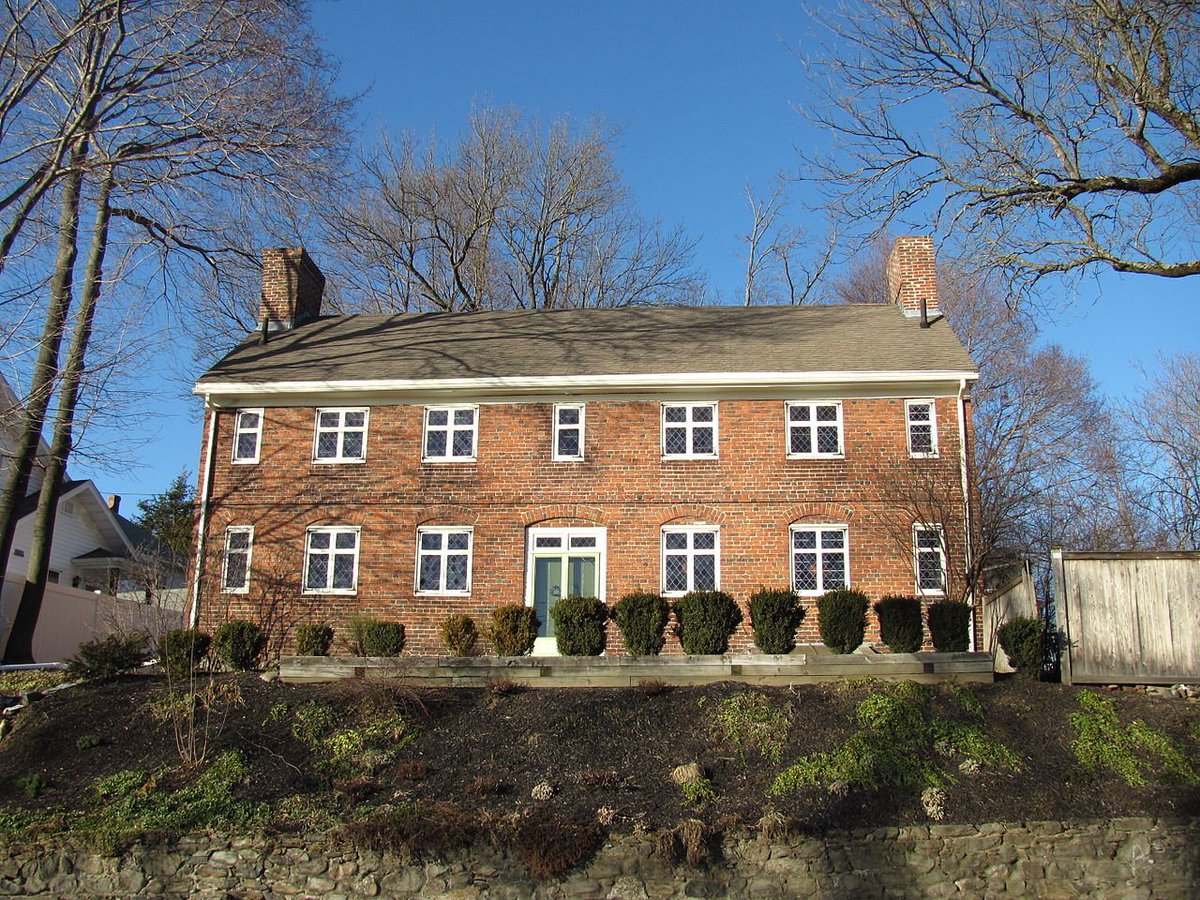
<point x="912" y="274"/>
<point x="292" y="286"/>
<point x="752" y="491"/>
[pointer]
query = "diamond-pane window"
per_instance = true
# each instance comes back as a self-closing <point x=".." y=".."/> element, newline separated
<point x="341" y="435"/>
<point x="247" y="435"/>
<point x="235" y="578"/>
<point x="690" y="559"/>
<point x="929" y="558"/>
<point x="922" y="428"/>
<point x="444" y="560"/>
<point x="331" y="560"/>
<point x="568" y="431"/>
<point x="820" y="558"/>
<point x="689" y="430"/>
<point x="450" y="433"/>
<point x="814" y="429"/>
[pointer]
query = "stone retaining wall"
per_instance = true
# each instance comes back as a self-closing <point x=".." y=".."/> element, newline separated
<point x="1126" y="858"/>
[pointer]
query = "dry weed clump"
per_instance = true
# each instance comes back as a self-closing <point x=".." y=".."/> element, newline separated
<point x="690" y="841"/>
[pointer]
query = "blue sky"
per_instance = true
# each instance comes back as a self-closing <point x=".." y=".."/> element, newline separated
<point x="704" y="94"/>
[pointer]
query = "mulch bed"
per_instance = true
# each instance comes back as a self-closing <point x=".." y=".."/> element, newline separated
<point x="597" y="748"/>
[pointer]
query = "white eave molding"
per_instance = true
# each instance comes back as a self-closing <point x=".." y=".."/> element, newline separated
<point x="893" y="383"/>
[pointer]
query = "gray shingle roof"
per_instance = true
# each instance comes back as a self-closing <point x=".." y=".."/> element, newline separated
<point x="630" y="341"/>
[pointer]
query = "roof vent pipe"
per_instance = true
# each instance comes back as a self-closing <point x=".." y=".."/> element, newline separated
<point x="924" y="313"/>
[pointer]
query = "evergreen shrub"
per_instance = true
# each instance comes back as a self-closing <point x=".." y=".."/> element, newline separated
<point x="239" y="644"/>
<point x="949" y="626"/>
<point x="579" y="626"/>
<point x="459" y="635"/>
<point x="313" y="639"/>
<point x="842" y="619"/>
<point x="513" y="629"/>
<point x="900" y="623"/>
<point x="707" y="619"/>
<point x="642" y="618"/>
<point x="775" y="615"/>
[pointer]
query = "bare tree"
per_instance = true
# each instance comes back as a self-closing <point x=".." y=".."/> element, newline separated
<point x="1164" y="426"/>
<point x="180" y="103"/>
<point x="1052" y="135"/>
<point x="512" y="217"/>
<point x="781" y="263"/>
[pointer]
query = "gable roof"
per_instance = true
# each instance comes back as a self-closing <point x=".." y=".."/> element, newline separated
<point x="592" y="343"/>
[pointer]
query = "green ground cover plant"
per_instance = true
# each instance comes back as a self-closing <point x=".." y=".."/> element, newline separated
<point x="1102" y="743"/>
<point x="751" y="721"/>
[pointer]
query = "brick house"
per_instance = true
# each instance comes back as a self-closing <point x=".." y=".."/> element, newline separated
<point x="410" y="466"/>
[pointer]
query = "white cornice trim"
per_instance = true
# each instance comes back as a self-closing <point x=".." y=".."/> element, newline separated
<point x="580" y="383"/>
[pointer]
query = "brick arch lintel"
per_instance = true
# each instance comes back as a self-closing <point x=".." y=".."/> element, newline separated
<point x="592" y="515"/>
<point x="446" y="514"/>
<point x="702" y="511"/>
<point x="819" y="512"/>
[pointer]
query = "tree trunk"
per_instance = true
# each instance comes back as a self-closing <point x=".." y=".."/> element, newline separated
<point x="20" y="639"/>
<point x="45" y="368"/>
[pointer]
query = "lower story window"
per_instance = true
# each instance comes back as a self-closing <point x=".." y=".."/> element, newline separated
<point x="690" y="559"/>
<point x="929" y="558"/>
<point x="235" y="575"/>
<point x="331" y="560"/>
<point x="444" y="560"/>
<point x="820" y="558"/>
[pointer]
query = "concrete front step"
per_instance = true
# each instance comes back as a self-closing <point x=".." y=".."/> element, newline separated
<point x="807" y="664"/>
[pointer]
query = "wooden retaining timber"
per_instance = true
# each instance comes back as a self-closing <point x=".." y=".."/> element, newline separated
<point x="808" y="664"/>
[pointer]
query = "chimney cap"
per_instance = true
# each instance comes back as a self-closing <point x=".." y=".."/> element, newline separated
<point x="114" y="502"/>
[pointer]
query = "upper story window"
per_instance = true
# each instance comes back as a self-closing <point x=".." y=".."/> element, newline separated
<point x="922" y="428"/>
<point x="568" y="431"/>
<point x="235" y="569"/>
<point x="444" y="560"/>
<point x="689" y="430"/>
<point x="450" y="433"/>
<point x="331" y="560"/>
<point x="820" y="558"/>
<point x="247" y="435"/>
<point x="341" y="436"/>
<point x="814" y="429"/>
<point x="691" y="559"/>
<point x="929" y="559"/>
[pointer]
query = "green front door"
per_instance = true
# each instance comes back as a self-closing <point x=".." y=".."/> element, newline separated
<point x="571" y="574"/>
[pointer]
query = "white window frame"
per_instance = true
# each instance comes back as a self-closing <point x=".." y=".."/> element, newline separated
<point x="909" y="423"/>
<point x="450" y="428"/>
<point x="563" y="550"/>
<point x="249" y="551"/>
<point x="239" y="430"/>
<point x="443" y="554"/>
<point x="559" y="427"/>
<point x="812" y="424"/>
<point x="333" y="531"/>
<point x="689" y="425"/>
<point x="340" y="430"/>
<point x="917" y="551"/>
<point x="818" y="550"/>
<point x="691" y="553"/>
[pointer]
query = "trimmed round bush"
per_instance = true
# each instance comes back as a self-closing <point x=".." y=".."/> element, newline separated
<point x="775" y="616"/>
<point x="1022" y="640"/>
<point x="900" y="623"/>
<point x="949" y="626"/>
<point x="579" y="626"/>
<point x="381" y="638"/>
<point x="109" y="656"/>
<point x="459" y="635"/>
<point x="642" y="618"/>
<point x="513" y="629"/>
<point x="181" y="649"/>
<point x="239" y="644"/>
<point x="842" y="619"/>
<point x="313" y="639"/>
<point x="707" y="619"/>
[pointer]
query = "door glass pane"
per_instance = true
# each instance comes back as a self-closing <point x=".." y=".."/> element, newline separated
<point x="581" y="572"/>
<point x="547" y="587"/>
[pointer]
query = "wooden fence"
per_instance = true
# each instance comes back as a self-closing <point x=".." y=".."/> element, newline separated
<point x="1017" y="598"/>
<point x="1128" y="618"/>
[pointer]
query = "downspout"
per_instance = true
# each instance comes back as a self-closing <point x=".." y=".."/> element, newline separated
<point x="966" y="491"/>
<point x="194" y="617"/>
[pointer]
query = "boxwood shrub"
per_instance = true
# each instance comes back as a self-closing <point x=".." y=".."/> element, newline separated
<point x="181" y="649"/>
<point x="949" y="626"/>
<point x="459" y="635"/>
<point x="842" y="619"/>
<point x="900" y="623"/>
<point x="707" y="619"/>
<point x="642" y="618"/>
<point x="1022" y="641"/>
<point x="109" y="656"/>
<point x="239" y="644"/>
<point x="579" y="625"/>
<point x="775" y="615"/>
<point x="382" y="638"/>
<point x="513" y="629"/>
<point x="313" y="639"/>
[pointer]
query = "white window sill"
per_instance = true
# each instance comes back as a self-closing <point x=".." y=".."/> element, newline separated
<point x="336" y="462"/>
<point x="674" y="456"/>
<point x="816" y="456"/>
<point x="448" y="459"/>
<point x="566" y="459"/>
<point x="341" y="592"/>
<point x="466" y="593"/>
<point x="245" y="462"/>
<point x="244" y="590"/>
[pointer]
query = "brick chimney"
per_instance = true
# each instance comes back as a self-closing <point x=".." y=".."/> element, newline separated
<point x="912" y="275"/>
<point x="114" y="502"/>
<point x="291" y="288"/>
